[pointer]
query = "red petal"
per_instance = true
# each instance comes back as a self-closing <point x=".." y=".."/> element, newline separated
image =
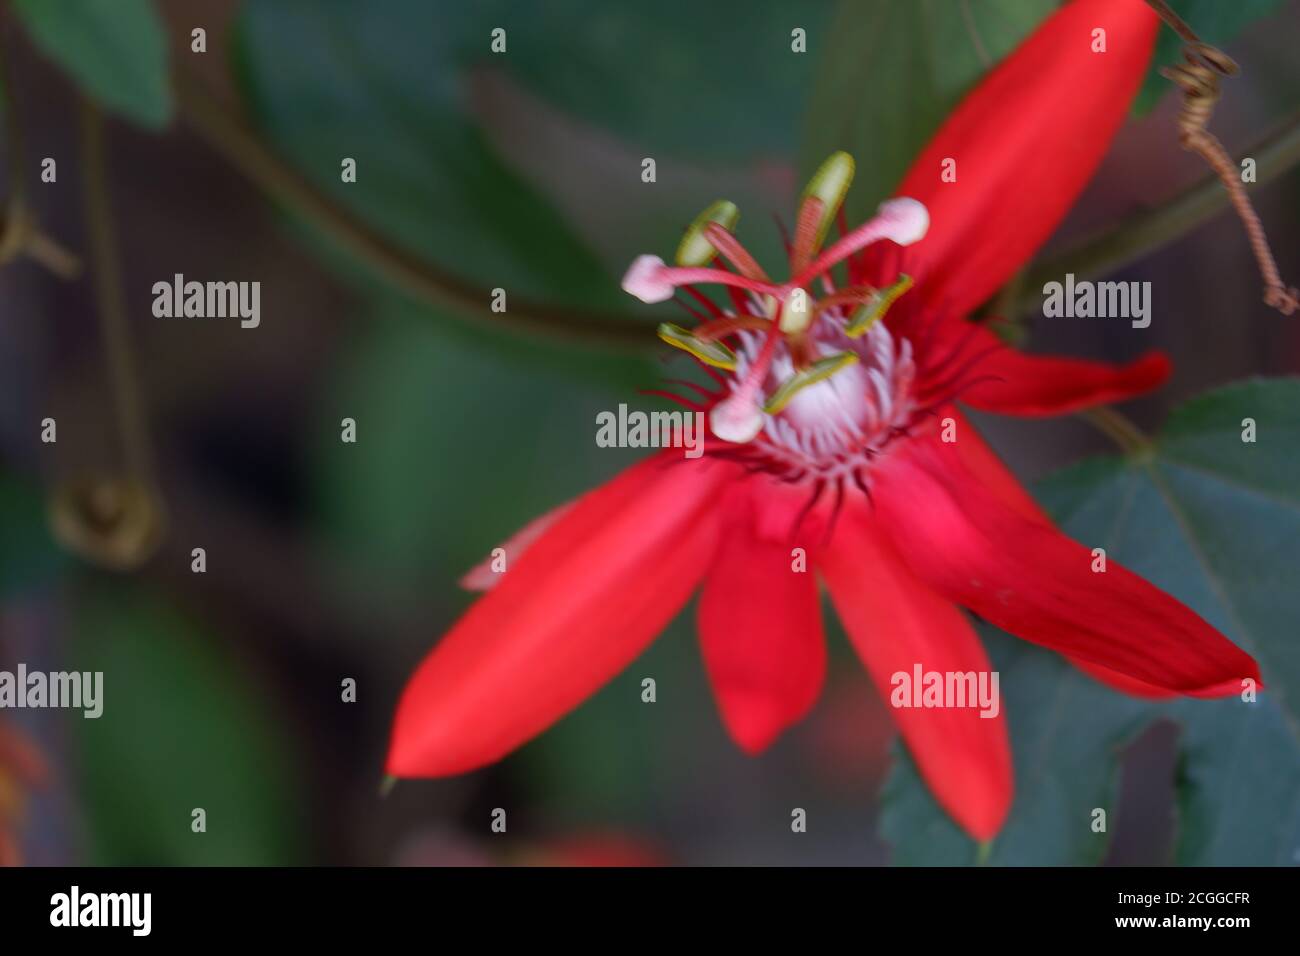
<point x="760" y="632"/>
<point x="1039" y="385"/>
<point x="481" y="577"/>
<point x="1033" y="581"/>
<point x="1025" y="141"/>
<point x="983" y="462"/>
<point x="895" y="623"/>
<point x="582" y="602"/>
<point x="1136" y="688"/>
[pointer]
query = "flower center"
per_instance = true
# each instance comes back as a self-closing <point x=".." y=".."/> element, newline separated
<point x="837" y="424"/>
<point x="819" y="384"/>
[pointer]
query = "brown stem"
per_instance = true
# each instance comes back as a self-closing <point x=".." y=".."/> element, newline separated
<point x="1198" y="75"/>
<point x="1098" y="254"/>
<point x="1147" y="231"/>
<point x="241" y="147"/>
<point x="1174" y="21"/>
<point x="1119" y="428"/>
<point x="122" y="370"/>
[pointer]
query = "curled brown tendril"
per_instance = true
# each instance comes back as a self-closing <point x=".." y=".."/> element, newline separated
<point x="112" y="521"/>
<point x="1198" y="77"/>
<point x="116" y="519"/>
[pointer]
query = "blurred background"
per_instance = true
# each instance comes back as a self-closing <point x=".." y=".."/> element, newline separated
<point x="327" y="561"/>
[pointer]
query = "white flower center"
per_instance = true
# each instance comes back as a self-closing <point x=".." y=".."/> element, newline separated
<point x="832" y="426"/>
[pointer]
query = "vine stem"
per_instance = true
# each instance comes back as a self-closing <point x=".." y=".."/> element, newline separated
<point x="122" y="370"/>
<point x="1103" y="252"/>
<point x="1154" y="228"/>
<point x="1119" y="428"/>
<point x="230" y="137"/>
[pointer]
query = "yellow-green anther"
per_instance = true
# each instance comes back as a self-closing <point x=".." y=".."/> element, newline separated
<point x="830" y="184"/>
<point x="818" y="371"/>
<point x="710" y="353"/>
<point x="874" y="309"/>
<point x="695" y="250"/>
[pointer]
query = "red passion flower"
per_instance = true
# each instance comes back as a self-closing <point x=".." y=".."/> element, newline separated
<point x="837" y="434"/>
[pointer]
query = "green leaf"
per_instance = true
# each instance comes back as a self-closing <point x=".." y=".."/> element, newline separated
<point x="1216" y="22"/>
<point x="890" y="73"/>
<point x="182" y="728"/>
<point x="696" y="81"/>
<point x="115" y="51"/>
<point x="380" y="83"/>
<point x="1214" y="521"/>
<point x="522" y="169"/>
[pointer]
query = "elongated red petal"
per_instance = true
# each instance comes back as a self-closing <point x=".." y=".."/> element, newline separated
<point x="1136" y="688"/>
<point x="1018" y="383"/>
<point x="1031" y="580"/>
<point x="482" y="577"/>
<point x="1025" y="142"/>
<point x="983" y="462"/>
<point x="580" y="604"/>
<point x="895" y="623"/>
<point x="985" y="465"/>
<point x="761" y="633"/>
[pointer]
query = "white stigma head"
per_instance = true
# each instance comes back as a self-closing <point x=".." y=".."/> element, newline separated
<point x="906" y="220"/>
<point x="736" y="419"/>
<point x="644" y="280"/>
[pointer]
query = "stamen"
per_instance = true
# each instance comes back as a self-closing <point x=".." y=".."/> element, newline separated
<point x="729" y="324"/>
<point x="651" y="281"/>
<point x="695" y="248"/>
<point x="734" y="252"/>
<point x="818" y="371"/>
<point x="850" y="295"/>
<point x="874" y="309"/>
<point x="708" y="351"/>
<point x="828" y="185"/>
<point x="805" y="233"/>
<point x="903" y="220"/>
<point x="738" y="418"/>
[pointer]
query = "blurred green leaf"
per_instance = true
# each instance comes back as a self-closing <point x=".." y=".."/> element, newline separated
<point x="1215" y="522"/>
<point x="28" y="555"/>
<point x="690" y="80"/>
<point x="182" y="727"/>
<point x="1215" y="21"/>
<point x="522" y="169"/>
<point x="892" y="70"/>
<point x="115" y="51"/>
<point x="382" y="83"/>
<point x="457" y="448"/>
